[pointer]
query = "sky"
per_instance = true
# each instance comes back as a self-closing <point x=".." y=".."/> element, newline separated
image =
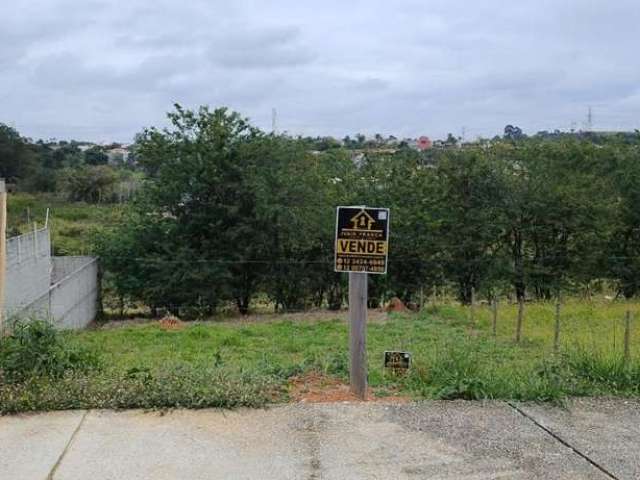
<point x="102" y="70"/>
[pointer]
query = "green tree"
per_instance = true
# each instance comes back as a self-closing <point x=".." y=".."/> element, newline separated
<point x="556" y="209"/>
<point x="468" y="219"/>
<point x="88" y="183"/>
<point x="622" y="257"/>
<point x="17" y="159"/>
<point x="96" y="156"/>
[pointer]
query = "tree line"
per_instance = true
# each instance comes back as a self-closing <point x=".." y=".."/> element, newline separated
<point x="79" y="171"/>
<point x="229" y="213"/>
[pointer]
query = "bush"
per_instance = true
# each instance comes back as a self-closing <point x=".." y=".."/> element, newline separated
<point x="91" y="184"/>
<point x="36" y="349"/>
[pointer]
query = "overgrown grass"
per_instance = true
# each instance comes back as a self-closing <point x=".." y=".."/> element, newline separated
<point x="72" y="223"/>
<point x="229" y="364"/>
<point x="35" y="349"/>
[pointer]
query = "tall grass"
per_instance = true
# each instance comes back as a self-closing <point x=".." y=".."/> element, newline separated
<point x="72" y="223"/>
<point x="245" y="363"/>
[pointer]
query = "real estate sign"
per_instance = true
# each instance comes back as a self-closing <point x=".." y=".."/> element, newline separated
<point x="362" y="240"/>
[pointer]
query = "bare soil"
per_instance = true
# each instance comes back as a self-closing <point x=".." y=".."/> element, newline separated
<point x="314" y="387"/>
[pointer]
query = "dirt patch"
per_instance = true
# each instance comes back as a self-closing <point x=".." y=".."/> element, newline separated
<point x="315" y="387"/>
<point x="396" y="305"/>
<point x="171" y="323"/>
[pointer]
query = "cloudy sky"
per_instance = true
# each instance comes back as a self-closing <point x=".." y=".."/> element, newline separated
<point x="103" y="69"/>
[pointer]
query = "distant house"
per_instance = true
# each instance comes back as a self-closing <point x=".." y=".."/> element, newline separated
<point x="83" y="147"/>
<point x="118" y="155"/>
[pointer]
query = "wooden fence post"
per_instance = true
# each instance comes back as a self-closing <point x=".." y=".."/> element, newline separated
<point x="520" y="319"/>
<point x="627" y="338"/>
<point x="472" y="308"/>
<point x="495" y="317"/>
<point x="556" y="332"/>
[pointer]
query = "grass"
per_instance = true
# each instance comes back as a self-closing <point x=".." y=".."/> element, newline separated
<point x="244" y="363"/>
<point x="72" y="223"/>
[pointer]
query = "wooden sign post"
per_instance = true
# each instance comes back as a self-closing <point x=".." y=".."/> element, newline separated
<point x="362" y="240"/>
<point x="358" y="333"/>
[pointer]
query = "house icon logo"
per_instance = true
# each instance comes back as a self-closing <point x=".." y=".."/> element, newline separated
<point x="362" y="221"/>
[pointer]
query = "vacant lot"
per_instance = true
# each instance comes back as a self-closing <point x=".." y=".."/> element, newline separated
<point x="72" y="223"/>
<point x="245" y="362"/>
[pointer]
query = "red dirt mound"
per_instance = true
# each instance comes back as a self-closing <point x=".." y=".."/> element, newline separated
<point x="396" y="305"/>
<point x="315" y="387"/>
<point x="171" y="323"/>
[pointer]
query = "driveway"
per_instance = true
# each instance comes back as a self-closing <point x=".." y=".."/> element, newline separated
<point x="591" y="439"/>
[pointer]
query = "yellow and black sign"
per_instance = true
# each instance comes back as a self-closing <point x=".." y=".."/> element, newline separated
<point x="397" y="361"/>
<point x="362" y="239"/>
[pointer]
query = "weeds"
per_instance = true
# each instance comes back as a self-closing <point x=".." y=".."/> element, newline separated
<point x="36" y="349"/>
<point x="605" y="374"/>
<point x="176" y="386"/>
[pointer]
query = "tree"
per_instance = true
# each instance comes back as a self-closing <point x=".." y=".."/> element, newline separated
<point x="227" y="212"/>
<point x="88" y="183"/>
<point x="623" y="250"/>
<point x="451" y="140"/>
<point x="399" y="181"/>
<point x="556" y="210"/>
<point x="466" y="201"/>
<point x="96" y="156"/>
<point x="199" y="191"/>
<point x="513" y="133"/>
<point x="65" y="155"/>
<point x="17" y="159"/>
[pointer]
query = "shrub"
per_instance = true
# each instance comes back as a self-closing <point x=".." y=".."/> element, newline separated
<point x="457" y="375"/>
<point x="35" y="349"/>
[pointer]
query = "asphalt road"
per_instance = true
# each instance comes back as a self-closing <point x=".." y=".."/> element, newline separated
<point x="591" y="439"/>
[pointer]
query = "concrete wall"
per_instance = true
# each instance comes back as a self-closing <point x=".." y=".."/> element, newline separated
<point x="29" y="269"/>
<point x="63" y="290"/>
<point x="74" y="295"/>
<point x="65" y="266"/>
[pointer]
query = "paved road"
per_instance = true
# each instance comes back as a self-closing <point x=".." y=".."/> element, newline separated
<point x="592" y="439"/>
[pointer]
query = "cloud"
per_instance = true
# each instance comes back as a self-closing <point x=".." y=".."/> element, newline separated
<point x="261" y="49"/>
<point x="105" y="69"/>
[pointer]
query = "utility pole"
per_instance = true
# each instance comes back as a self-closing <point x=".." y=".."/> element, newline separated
<point x="3" y="248"/>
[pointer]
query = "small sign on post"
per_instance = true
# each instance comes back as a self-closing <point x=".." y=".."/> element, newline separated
<point x="362" y="240"/>
<point x="397" y="361"/>
<point x="361" y="247"/>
